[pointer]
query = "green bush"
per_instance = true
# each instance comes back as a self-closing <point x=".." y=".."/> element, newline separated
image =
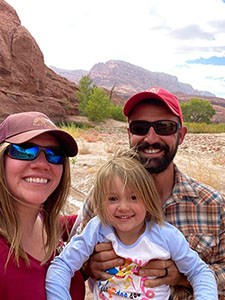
<point x="197" y="111"/>
<point x="117" y="113"/>
<point x="84" y="92"/>
<point x="205" y="128"/>
<point x="98" y="106"/>
<point x="95" y="104"/>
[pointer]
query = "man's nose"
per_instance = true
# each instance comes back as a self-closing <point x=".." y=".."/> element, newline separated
<point x="151" y="136"/>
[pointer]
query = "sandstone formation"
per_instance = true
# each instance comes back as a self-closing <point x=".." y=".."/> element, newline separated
<point x="26" y="83"/>
<point x="128" y="78"/>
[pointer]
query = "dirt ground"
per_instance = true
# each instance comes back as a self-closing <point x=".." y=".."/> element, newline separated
<point x="201" y="156"/>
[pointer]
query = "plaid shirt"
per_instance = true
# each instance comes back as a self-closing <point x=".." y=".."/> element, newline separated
<point x="198" y="211"/>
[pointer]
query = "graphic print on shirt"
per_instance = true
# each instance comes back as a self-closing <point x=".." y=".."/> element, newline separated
<point x="125" y="283"/>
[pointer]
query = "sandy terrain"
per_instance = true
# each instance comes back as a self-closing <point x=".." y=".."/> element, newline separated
<point x="201" y="156"/>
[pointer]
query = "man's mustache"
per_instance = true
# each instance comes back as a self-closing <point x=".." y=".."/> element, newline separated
<point x="146" y="145"/>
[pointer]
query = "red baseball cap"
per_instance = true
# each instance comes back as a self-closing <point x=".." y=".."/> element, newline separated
<point x="21" y="127"/>
<point x="166" y="97"/>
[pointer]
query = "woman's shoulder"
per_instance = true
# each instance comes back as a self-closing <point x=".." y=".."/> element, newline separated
<point x="4" y="249"/>
<point x="67" y="222"/>
<point x="67" y="219"/>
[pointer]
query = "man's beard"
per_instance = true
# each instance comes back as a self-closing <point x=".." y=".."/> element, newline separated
<point x="158" y="164"/>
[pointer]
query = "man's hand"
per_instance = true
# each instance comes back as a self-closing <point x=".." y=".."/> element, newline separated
<point x="165" y="272"/>
<point x="102" y="259"/>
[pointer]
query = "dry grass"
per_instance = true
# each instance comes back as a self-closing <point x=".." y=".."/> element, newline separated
<point x="197" y="168"/>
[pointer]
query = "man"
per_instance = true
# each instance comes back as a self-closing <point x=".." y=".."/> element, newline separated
<point x="198" y="211"/>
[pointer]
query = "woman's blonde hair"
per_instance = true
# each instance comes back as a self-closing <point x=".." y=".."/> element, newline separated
<point x="9" y="219"/>
<point x="127" y="166"/>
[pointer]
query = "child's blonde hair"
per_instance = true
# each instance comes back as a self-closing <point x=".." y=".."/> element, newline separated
<point x="127" y="166"/>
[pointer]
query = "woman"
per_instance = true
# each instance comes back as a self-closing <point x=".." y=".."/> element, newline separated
<point x="34" y="185"/>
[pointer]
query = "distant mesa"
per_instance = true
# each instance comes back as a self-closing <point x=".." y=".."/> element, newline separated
<point x="127" y="78"/>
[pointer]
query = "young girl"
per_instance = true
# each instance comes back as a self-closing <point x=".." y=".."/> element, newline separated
<point x="129" y="215"/>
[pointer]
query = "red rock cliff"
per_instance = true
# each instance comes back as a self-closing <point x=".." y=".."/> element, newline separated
<point x="26" y="83"/>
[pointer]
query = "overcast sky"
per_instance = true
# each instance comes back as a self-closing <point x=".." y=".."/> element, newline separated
<point x="181" y="38"/>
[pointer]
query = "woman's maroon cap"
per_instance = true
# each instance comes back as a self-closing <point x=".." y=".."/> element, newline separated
<point x="21" y="127"/>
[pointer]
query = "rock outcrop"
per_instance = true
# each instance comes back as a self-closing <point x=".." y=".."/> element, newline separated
<point x="123" y="79"/>
<point x="127" y="79"/>
<point x="26" y="83"/>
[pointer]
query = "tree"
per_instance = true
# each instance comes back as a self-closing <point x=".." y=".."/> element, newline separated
<point x="95" y="104"/>
<point x="98" y="106"/>
<point x="116" y="112"/>
<point x="84" y="93"/>
<point x="197" y="111"/>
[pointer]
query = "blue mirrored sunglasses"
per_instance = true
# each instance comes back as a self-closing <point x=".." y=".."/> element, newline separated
<point x="28" y="151"/>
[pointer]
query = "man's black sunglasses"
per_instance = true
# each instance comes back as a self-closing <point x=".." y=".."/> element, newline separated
<point x="162" y="127"/>
<point x="29" y="151"/>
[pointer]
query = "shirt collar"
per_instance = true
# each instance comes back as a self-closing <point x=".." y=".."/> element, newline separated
<point x="183" y="186"/>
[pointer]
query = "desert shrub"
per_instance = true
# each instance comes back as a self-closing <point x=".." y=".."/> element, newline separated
<point x="98" y="106"/>
<point x="116" y="112"/>
<point x="84" y="92"/>
<point x="197" y="111"/>
<point x="205" y="128"/>
<point x="95" y="104"/>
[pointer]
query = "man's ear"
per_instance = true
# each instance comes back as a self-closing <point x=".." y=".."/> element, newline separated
<point x="128" y="132"/>
<point x="182" y="133"/>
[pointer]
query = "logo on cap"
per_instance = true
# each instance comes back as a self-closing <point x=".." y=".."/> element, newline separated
<point x="43" y="122"/>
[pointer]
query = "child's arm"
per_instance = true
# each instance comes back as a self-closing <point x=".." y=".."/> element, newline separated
<point x="198" y="273"/>
<point x="71" y="259"/>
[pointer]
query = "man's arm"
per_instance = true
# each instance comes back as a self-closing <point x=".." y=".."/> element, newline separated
<point x="86" y="213"/>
